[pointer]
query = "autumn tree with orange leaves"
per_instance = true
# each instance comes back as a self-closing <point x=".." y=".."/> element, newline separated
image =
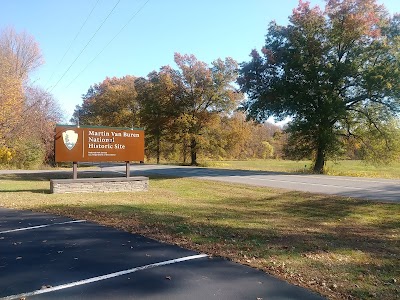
<point x="160" y="107"/>
<point x="28" y="114"/>
<point x="204" y="92"/>
<point x="112" y="102"/>
<point x="11" y="99"/>
<point x="179" y="102"/>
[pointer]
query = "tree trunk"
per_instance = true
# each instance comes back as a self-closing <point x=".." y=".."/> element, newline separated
<point x="158" y="149"/>
<point x="319" y="161"/>
<point x="184" y="151"/>
<point x="193" y="153"/>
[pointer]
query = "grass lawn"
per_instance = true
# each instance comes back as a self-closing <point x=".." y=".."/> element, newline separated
<point x="342" y="248"/>
<point x="342" y="168"/>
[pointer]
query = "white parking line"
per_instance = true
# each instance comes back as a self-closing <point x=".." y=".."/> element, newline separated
<point x="103" y="277"/>
<point x="41" y="226"/>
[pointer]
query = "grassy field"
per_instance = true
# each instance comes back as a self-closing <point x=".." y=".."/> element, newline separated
<point x="339" y="247"/>
<point x="341" y="168"/>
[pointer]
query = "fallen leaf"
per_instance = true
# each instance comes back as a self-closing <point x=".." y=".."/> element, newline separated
<point x="47" y="286"/>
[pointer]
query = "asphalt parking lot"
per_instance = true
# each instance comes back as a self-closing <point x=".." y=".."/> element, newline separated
<point x="50" y="257"/>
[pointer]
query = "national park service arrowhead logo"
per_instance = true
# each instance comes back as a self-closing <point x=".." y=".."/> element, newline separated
<point x="70" y="138"/>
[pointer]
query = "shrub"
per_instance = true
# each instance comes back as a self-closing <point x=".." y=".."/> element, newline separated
<point x="6" y="155"/>
<point x="29" y="154"/>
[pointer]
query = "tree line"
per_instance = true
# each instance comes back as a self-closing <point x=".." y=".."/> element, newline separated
<point x="334" y="71"/>
<point x="184" y="111"/>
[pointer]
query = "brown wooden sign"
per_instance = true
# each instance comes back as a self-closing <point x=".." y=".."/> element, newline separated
<point x="96" y="144"/>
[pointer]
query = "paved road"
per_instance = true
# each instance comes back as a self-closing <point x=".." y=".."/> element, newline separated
<point x="367" y="188"/>
<point x="49" y="257"/>
<point x="387" y="190"/>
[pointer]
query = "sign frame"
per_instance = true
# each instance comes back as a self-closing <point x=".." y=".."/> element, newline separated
<point x="74" y="143"/>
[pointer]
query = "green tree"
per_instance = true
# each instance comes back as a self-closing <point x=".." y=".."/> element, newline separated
<point x="204" y="91"/>
<point x="377" y="144"/>
<point x="331" y="71"/>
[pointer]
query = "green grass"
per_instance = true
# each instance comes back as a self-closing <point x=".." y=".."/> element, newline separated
<point x="340" y="168"/>
<point x="342" y="248"/>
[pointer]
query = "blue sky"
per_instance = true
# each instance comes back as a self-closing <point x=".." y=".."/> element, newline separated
<point x="209" y="29"/>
